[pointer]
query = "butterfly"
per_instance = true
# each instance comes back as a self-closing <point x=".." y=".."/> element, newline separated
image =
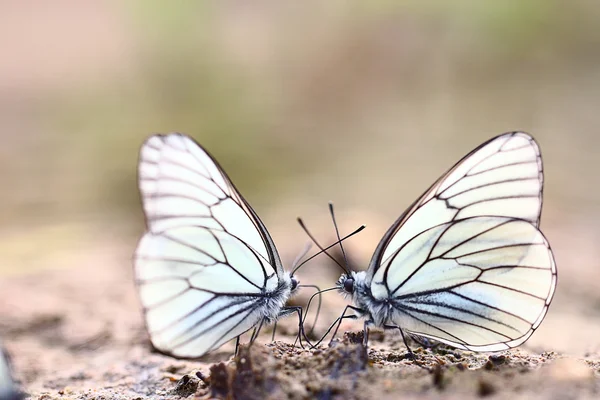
<point x="207" y="269"/>
<point x="466" y="263"/>
<point x="8" y="389"/>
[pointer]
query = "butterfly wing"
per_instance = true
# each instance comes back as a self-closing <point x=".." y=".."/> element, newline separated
<point x="8" y="389"/>
<point x="466" y="264"/>
<point x="206" y="261"/>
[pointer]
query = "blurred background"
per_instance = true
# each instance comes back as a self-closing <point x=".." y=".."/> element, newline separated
<point x="361" y="103"/>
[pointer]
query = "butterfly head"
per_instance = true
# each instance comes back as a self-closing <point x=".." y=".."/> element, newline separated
<point x="294" y="283"/>
<point x="349" y="283"/>
<point x="346" y="284"/>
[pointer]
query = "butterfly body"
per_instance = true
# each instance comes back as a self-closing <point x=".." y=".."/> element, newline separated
<point x="274" y="300"/>
<point x="378" y="312"/>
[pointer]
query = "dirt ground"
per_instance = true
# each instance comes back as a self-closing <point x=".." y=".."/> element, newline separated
<point x="76" y="333"/>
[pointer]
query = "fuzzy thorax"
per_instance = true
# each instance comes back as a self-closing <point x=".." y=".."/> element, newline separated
<point x="356" y="286"/>
<point x="275" y="300"/>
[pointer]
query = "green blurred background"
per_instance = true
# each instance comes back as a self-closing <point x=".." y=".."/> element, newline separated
<point x="363" y="103"/>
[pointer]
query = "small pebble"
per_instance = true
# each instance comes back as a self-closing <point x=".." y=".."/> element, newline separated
<point x="488" y="365"/>
<point x="497" y="359"/>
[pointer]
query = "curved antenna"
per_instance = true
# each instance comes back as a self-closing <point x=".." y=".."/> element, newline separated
<point x="324" y="250"/>
<point x="337" y="233"/>
<point x="319" y="293"/>
<point x="301" y="255"/>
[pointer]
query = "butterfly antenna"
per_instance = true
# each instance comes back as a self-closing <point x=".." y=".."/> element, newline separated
<point x="324" y="250"/>
<point x="318" y="293"/>
<point x="300" y="256"/>
<point x="337" y="233"/>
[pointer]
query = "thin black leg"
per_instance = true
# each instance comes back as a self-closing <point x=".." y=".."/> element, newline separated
<point x="359" y="310"/>
<point x="256" y="331"/>
<point x="394" y="327"/>
<point x="338" y="321"/>
<point x="366" y="326"/>
<point x="237" y="345"/>
<point x="274" y="329"/>
<point x="298" y="310"/>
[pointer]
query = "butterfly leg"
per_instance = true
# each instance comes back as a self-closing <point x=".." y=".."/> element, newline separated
<point x="274" y="329"/>
<point x="339" y="321"/>
<point x="329" y="329"/>
<point x="237" y="345"/>
<point x="300" y="325"/>
<point x="366" y="326"/>
<point x="410" y="352"/>
<point x="295" y="309"/>
<point x="256" y="332"/>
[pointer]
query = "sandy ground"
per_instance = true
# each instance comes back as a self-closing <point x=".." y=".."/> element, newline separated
<point x="76" y="333"/>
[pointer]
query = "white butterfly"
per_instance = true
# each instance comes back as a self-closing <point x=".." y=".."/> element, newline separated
<point x="207" y="269"/>
<point x="8" y="389"/>
<point x="465" y="264"/>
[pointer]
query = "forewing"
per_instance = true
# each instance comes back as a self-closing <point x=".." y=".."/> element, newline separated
<point x="182" y="185"/>
<point x="481" y="283"/>
<point x="206" y="261"/>
<point x="8" y="389"/>
<point x="502" y="177"/>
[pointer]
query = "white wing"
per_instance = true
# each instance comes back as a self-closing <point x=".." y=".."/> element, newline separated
<point x="502" y="177"/>
<point x="466" y="264"/>
<point x="8" y="389"/>
<point x="481" y="283"/>
<point x="207" y="260"/>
